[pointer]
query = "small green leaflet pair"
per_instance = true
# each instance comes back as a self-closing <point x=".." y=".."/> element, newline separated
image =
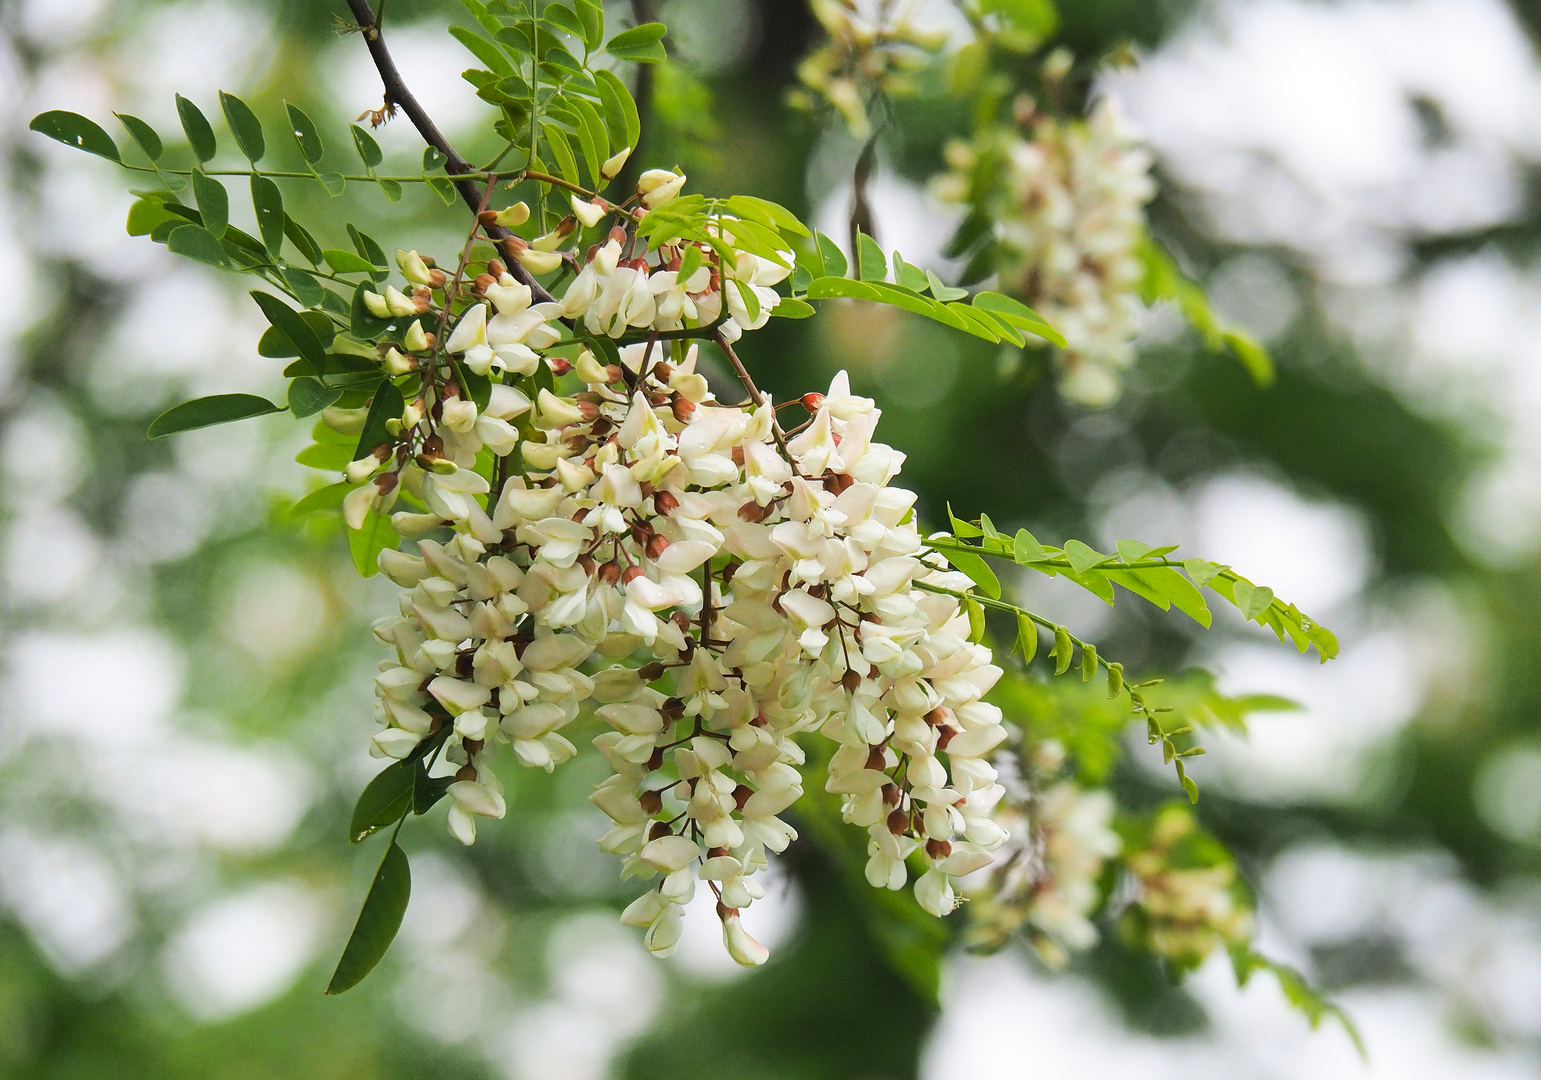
<point x="564" y="110"/>
<point x="401" y="789"/>
<point x="1139" y="568"/>
<point x="308" y="394"/>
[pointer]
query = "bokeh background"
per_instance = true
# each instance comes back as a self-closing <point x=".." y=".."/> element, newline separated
<point x="184" y="674"/>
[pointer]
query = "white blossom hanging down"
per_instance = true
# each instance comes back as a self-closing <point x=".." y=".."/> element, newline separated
<point x="601" y="550"/>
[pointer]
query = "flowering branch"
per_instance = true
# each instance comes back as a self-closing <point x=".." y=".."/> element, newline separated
<point x="397" y="93"/>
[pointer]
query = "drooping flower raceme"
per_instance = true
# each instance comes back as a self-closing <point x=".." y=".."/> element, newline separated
<point x="1068" y="199"/>
<point x="709" y="587"/>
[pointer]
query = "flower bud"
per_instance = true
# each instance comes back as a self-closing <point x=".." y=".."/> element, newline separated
<point x="413" y="268"/>
<point x="417" y="340"/>
<point x="396" y="364"/>
<point x="376" y="305"/>
<point x="590" y="213"/>
<point x="664" y="194"/>
<point x="511" y="216"/>
<point x="590" y="370"/>
<point x="553" y="239"/>
<point x="539" y="262"/>
<point x="344" y="421"/>
<point x="362" y="469"/>
<point x="614" y="164"/>
<point x="743" y="948"/>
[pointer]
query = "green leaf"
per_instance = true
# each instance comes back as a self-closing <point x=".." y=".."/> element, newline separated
<point x="1027" y="638"/>
<point x="327" y="498"/>
<point x="300" y="237"/>
<point x="1088" y="662"/>
<point x="476" y="387"/>
<point x="200" y="136"/>
<point x="307" y="396"/>
<point x="387" y="404"/>
<point x="770" y="213"/>
<point x="561" y="149"/>
<point x="443" y="188"/>
<point x="368" y="150"/>
<point x="295" y="328"/>
<point x="368" y="247"/>
<point x="146" y="214"/>
<point x="1252" y="600"/>
<point x="594" y="138"/>
<point x="1201" y="571"/>
<point x="564" y="19"/>
<point x="872" y="264"/>
<point x="244" y="125"/>
<point x="274" y="343"/>
<point x="345" y="262"/>
<point x="391" y="189"/>
<point x="1132" y="550"/>
<point x="213" y="202"/>
<point x="1171" y="587"/>
<point x="378" y="921"/>
<point x="1018" y="314"/>
<point x="792" y="308"/>
<point x="909" y="277"/>
<point x="1297" y="991"/>
<point x="305" y="134"/>
<point x="366" y="544"/>
<point x="143" y="134"/>
<point x="75" y="130"/>
<point x="485" y="51"/>
<point x="749" y="297"/>
<point x="307" y="290"/>
<point x="976" y="619"/>
<point x="592" y="14"/>
<point x="208" y="411"/>
<point x="960" y="527"/>
<point x="428" y="790"/>
<point x="1252" y="355"/>
<point x="384" y="801"/>
<point x="268" y="203"/>
<point x="1083" y="558"/>
<point x="1115" y="680"/>
<point x="196" y="242"/>
<point x="1026" y="550"/>
<point x="978" y="570"/>
<point x="434" y="159"/>
<point x="1062" y="650"/>
<point x="834" y="259"/>
<point x="943" y="291"/>
<point x="641" y="44"/>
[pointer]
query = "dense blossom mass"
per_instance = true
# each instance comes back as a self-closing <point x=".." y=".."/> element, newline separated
<point x="709" y="586"/>
<point x="1069" y="203"/>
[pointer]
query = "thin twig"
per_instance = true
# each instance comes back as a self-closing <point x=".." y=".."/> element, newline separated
<point x="396" y="92"/>
<point x="754" y="392"/>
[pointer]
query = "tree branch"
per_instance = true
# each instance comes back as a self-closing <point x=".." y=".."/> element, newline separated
<point x="396" y="92"/>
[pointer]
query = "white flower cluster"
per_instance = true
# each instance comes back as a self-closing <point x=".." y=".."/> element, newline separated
<point x="873" y="52"/>
<point x="1186" y="900"/>
<point x="1046" y="876"/>
<point x="707" y="586"/>
<point x="1069" y="204"/>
